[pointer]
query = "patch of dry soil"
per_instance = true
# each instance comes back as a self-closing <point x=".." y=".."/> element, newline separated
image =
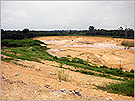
<point x="98" y="50"/>
<point x="28" y="82"/>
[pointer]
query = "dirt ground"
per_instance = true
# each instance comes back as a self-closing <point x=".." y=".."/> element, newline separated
<point x="26" y="83"/>
<point x="98" y="50"/>
<point x="38" y="81"/>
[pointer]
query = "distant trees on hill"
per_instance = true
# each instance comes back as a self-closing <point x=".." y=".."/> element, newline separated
<point x="26" y="33"/>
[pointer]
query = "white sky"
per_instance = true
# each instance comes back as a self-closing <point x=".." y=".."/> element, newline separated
<point x="66" y="14"/>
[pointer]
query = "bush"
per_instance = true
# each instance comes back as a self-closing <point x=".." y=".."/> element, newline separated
<point x="62" y="75"/>
<point x="77" y="60"/>
<point x="96" y="67"/>
<point x="65" y="59"/>
<point x="90" y="73"/>
<point x="132" y="71"/>
<point x="108" y="71"/>
<point x="68" y="56"/>
<point x="80" y="61"/>
<point x="61" y="65"/>
<point x="77" y="70"/>
<point x="114" y="73"/>
<point x="103" y="66"/>
<point x="55" y="57"/>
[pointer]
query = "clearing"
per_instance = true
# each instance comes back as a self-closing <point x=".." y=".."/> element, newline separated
<point x="31" y="80"/>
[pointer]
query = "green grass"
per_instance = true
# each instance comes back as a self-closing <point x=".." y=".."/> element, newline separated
<point x="20" y="57"/>
<point x="126" y="88"/>
<point x="21" y="43"/>
<point x="7" y="59"/>
<point x="40" y="52"/>
<point x="82" y="66"/>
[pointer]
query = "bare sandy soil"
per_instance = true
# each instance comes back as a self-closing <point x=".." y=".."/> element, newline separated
<point x="37" y="81"/>
<point x="98" y="50"/>
<point x="30" y="83"/>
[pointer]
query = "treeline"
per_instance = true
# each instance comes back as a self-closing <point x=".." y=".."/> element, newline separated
<point x="25" y="33"/>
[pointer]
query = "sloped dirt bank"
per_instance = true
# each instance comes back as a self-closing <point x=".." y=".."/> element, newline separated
<point x="29" y="83"/>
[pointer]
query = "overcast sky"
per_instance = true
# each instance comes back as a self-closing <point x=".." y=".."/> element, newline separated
<point x="17" y="15"/>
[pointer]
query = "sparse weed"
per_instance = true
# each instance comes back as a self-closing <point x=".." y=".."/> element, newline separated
<point x="128" y="43"/>
<point x="62" y="75"/>
<point x="61" y="65"/>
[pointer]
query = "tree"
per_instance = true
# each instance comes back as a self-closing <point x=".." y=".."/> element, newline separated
<point x="26" y="30"/>
<point x="121" y="28"/>
<point x="91" y="28"/>
<point x="2" y="30"/>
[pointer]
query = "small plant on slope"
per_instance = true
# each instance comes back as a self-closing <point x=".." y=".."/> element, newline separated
<point x="62" y="75"/>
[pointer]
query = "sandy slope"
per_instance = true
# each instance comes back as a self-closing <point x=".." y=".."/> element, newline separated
<point x="30" y="84"/>
<point x="98" y="50"/>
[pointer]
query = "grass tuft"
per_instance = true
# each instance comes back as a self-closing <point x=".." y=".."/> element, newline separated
<point x="62" y="75"/>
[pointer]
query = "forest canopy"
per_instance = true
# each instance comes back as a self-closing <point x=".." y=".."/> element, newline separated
<point x="92" y="31"/>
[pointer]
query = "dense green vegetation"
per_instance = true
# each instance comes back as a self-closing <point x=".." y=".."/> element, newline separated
<point x="33" y="51"/>
<point x="6" y="59"/>
<point x="126" y="88"/>
<point x="26" y="33"/>
<point x="20" y="43"/>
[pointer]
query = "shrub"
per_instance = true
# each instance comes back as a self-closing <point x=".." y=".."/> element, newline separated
<point x="103" y="66"/>
<point x="108" y="71"/>
<point x="132" y="71"/>
<point x="77" y="70"/>
<point x="111" y="68"/>
<point x="77" y="60"/>
<point x="114" y="73"/>
<point x="55" y="57"/>
<point x="80" y="61"/>
<point x="90" y="73"/>
<point x="68" y="56"/>
<point x="62" y="75"/>
<point x="65" y="59"/>
<point x="96" y="67"/>
<point x="74" y="60"/>
<point x="61" y="65"/>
